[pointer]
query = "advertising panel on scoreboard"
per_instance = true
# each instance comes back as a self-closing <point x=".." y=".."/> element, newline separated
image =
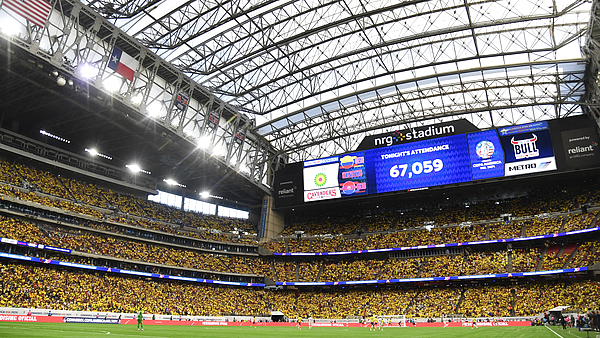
<point x="486" y="154"/>
<point x="420" y="164"/>
<point x="527" y="149"/>
<point x="353" y="174"/>
<point x="321" y="179"/>
<point x="581" y="147"/>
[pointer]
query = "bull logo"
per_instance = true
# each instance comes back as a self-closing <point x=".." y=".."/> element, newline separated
<point x="526" y="148"/>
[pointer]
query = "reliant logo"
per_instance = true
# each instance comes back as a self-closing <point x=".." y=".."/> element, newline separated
<point x="579" y="150"/>
<point x="414" y="135"/>
<point x="286" y="191"/>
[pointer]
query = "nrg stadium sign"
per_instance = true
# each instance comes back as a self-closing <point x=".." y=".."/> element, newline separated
<point x="461" y="126"/>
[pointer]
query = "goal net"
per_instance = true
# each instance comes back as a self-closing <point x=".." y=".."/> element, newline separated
<point x="392" y="320"/>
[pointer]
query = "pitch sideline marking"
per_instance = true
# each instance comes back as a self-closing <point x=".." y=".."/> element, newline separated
<point x="83" y="332"/>
<point x="569" y="332"/>
<point x="553" y="331"/>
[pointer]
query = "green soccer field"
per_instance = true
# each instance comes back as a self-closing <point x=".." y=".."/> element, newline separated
<point x="49" y="330"/>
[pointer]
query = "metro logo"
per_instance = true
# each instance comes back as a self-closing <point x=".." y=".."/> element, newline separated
<point x="526" y="148"/>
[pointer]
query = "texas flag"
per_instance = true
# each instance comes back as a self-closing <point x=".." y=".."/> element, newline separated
<point x="122" y="63"/>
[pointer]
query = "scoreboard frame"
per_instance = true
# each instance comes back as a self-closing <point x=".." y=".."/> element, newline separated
<point x="533" y="148"/>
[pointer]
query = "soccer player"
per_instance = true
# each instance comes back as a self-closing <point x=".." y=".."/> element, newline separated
<point x="253" y="321"/>
<point x="372" y="323"/>
<point x="140" y="320"/>
<point x="474" y="324"/>
<point x="309" y="322"/>
<point x="299" y="325"/>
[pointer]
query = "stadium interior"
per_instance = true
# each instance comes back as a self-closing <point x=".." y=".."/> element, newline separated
<point x="187" y="189"/>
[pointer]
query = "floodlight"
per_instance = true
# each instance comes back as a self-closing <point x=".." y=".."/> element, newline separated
<point x="219" y="151"/>
<point x="154" y="109"/>
<point x="136" y="168"/>
<point x="170" y="181"/>
<point x="204" y="194"/>
<point x="10" y="27"/>
<point x="45" y="133"/>
<point x="137" y="99"/>
<point x="87" y="71"/>
<point x="133" y="167"/>
<point x="112" y="84"/>
<point x="94" y="152"/>
<point x="203" y="142"/>
<point x="61" y="81"/>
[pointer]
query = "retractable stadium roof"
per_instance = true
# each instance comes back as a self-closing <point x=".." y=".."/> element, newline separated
<point x="317" y="76"/>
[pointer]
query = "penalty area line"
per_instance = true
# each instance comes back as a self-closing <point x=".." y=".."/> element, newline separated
<point x="556" y="333"/>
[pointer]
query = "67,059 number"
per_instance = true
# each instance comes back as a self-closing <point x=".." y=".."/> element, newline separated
<point x="417" y="168"/>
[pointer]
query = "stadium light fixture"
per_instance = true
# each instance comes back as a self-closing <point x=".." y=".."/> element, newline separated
<point x="95" y="152"/>
<point x="203" y="142"/>
<point x="206" y="194"/>
<point x="10" y="27"/>
<point x="45" y="133"/>
<point x="133" y="167"/>
<point x="219" y="151"/>
<point x="61" y="81"/>
<point x="137" y="99"/>
<point x="136" y="168"/>
<point x="92" y="152"/>
<point x="154" y="109"/>
<point x="111" y="84"/>
<point x="173" y="182"/>
<point x="87" y="71"/>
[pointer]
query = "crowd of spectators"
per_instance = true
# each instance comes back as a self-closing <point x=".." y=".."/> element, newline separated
<point x="285" y="271"/>
<point x="474" y="263"/>
<point x="543" y="226"/>
<point x="348" y="269"/>
<point x="391" y="229"/>
<point x="435" y="302"/>
<point x="453" y="234"/>
<point x="531" y="204"/>
<point x="580" y="221"/>
<point x="38" y="186"/>
<point x="535" y="298"/>
<point x="491" y="301"/>
<point x="309" y="271"/>
<point x="120" y="248"/>
<point x="525" y="259"/>
<point x="50" y="288"/>
<point x="585" y="255"/>
<point x="47" y="288"/>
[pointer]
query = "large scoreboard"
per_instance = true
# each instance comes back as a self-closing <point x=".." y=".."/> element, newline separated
<point x="437" y="161"/>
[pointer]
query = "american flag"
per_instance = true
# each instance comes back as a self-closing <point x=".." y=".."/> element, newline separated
<point x="36" y="11"/>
